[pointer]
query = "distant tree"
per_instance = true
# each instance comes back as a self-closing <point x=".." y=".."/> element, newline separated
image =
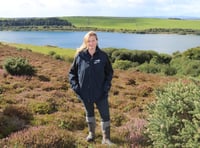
<point x="35" y="22"/>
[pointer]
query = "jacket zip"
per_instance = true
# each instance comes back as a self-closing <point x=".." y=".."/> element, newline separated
<point x="90" y="76"/>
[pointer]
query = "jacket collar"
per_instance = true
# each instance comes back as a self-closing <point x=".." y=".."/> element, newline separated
<point x="86" y="53"/>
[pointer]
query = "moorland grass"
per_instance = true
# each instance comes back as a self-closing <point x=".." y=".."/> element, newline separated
<point x="50" y="102"/>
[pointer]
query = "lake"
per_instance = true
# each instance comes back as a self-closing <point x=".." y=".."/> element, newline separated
<point x="162" y="43"/>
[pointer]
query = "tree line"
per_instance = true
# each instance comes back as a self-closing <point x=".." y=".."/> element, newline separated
<point x="34" y="22"/>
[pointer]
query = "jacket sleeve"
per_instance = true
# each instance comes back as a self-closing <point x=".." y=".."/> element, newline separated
<point x="108" y="75"/>
<point x="73" y="77"/>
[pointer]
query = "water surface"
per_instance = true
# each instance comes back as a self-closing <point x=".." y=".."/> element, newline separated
<point x="162" y="43"/>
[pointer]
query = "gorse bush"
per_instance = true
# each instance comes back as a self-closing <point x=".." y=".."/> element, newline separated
<point x="186" y="63"/>
<point x="18" y="66"/>
<point x="174" y="119"/>
<point x="193" y="53"/>
<point x="192" y="68"/>
<point x="149" y="68"/>
<point x="185" y="66"/>
<point x="122" y="64"/>
<point x="138" y="56"/>
<point x="161" y="59"/>
<point x="169" y="70"/>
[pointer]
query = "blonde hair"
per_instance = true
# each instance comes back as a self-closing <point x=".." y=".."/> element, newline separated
<point x="85" y="40"/>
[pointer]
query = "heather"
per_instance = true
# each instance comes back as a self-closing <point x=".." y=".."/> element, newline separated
<point x="41" y="110"/>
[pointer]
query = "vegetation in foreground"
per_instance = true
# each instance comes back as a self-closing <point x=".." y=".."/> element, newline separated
<point x="40" y="109"/>
<point x="148" y="61"/>
<point x="43" y="104"/>
<point x="174" y="119"/>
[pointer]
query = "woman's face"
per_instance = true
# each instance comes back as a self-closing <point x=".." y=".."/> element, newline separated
<point x="92" y="43"/>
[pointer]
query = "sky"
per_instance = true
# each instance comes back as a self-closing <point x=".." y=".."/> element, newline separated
<point x="115" y="8"/>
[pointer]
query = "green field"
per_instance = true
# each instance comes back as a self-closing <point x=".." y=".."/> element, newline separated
<point x="108" y="24"/>
<point x="133" y="23"/>
<point x="64" y="52"/>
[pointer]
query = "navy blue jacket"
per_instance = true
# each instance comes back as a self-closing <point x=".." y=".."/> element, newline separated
<point x="90" y="76"/>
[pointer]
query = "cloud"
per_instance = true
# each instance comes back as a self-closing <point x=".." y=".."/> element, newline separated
<point x="47" y="8"/>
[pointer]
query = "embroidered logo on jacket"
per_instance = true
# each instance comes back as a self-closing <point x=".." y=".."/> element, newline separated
<point x="97" y="61"/>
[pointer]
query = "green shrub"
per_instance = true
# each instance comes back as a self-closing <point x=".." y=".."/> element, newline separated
<point x="122" y="54"/>
<point x="14" y="118"/>
<point x="122" y="64"/>
<point x="192" y="68"/>
<point x="149" y="68"/>
<point x="58" y="57"/>
<point x="51" y="53"/>
<point x="1" y="89"/>
<point x="192" y="53"/>
<point x="174" y="119"/>
<point x="72" y="123"/>
<point x="44" y="78"/>
<point x="109" y="52"/>
<point x="18" y="66"/>
<point x="69" y="59"/>
<point x="185" y="66"/>
<point x="142" y="56"/>
<point x="40" y="137"/>
<point x="179" y="63"/>
<point x="19" y="49"/>
<point x="165" y="58"/>
<point x="19" y="111"/>
<point x="43" y="107"/>
<point x="9" y="124"/>
<point x="138" y="56"/>
<point x="169" y="71"/>
<point x="118" y="119"/>
<point x="161" y="59"/>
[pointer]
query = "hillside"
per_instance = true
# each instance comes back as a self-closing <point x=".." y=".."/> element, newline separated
<point x="46" y="100"/>
<point x="132" y="23"/>
<point x="107" y="24"/>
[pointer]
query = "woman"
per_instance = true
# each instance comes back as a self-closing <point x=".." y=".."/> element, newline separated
<point x="90" y="77"/>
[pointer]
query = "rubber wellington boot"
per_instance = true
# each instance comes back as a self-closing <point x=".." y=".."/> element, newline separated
<point x="106" y="133"/>
<point x="91" y="128"/>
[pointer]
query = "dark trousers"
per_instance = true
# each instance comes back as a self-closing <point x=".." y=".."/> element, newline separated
<point x="102" y="106"/>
